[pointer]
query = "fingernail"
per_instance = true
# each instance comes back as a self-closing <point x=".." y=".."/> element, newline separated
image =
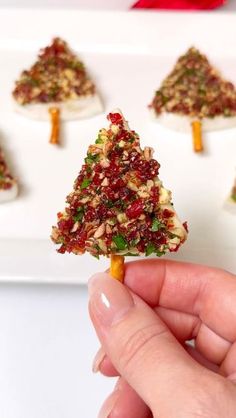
<point x="109" y="299"/>
<point x="109" y="405"/>
<point x="98" y="359"/>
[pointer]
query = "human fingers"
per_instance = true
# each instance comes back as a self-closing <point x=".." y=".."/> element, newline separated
<point x="141" y="347"/>
<point x="124" y="402"/>
<point x="205" y="295"/>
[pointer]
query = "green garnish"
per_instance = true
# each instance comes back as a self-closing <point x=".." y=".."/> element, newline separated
<point x="80" y="214"/>
<point x="109" y="203"/>
<point x="120" y="242"/>
<point x="75" y="65"/>
<point x="156" y="225"/>
<point x="134" y="242"/>
<point x="151" y="249"/>
<point x="53" y="91"/>
<point x="99" y="140"/>
<point x="85" y="183"/>
<point x="91" y="158"/>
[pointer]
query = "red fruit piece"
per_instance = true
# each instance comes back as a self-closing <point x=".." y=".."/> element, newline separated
<point x="115" y="118"/>
<point x="135" y="209"/>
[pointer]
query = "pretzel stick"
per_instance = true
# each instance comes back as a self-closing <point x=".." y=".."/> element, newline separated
<point x="55" y="122"/>
<point x="117" y="269"/>
<point x="197" y="135"/>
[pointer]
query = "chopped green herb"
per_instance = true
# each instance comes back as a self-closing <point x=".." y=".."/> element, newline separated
<point x="131" y="255"/>
<point x="150" y="249"/>
<point x="32" y="81"/>
<point x="75" y="65"/>
<point x="85" y="183"/>
<point x="190" y="71"/>
<point x="120" y="242"/>
<point x="134" y="242"/>
<point x="99" y="140"/>
<point x="109" y="203"/>
<point x="159" y="253"/>
<point x="79" y="215"/>
<point x="53" y="91"/>
<point x="156" y="225"/>
<point x="91" y="158"/>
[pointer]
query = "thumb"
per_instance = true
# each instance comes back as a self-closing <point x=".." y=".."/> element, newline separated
<point x="141" y="347"/>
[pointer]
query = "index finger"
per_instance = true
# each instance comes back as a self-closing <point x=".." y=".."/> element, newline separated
<point x="208" y="293"/>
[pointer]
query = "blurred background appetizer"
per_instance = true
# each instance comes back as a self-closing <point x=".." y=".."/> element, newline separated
<point x="56" y="87"/>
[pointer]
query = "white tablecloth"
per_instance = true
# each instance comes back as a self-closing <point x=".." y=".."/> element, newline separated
<point x="46" y="349"/>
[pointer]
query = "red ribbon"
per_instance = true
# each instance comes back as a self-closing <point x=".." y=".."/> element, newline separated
<point x="179" y="4"/>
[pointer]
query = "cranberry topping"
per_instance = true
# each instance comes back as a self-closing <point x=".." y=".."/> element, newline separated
<point x="135" y="209"/>
<point x="115" y="118"/>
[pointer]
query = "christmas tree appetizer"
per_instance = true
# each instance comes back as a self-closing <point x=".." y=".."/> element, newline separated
<point x="56" y="86"/>
<point x="119" y="206"/>
<point x="194" y="94"/>
<point x="8" y="185"/>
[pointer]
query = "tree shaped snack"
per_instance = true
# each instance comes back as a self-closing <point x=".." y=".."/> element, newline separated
<point x="56" y="87"/>
<point x="8" y="185"/>
<point x="118" y="206"/>
<point x="194" y="94"/>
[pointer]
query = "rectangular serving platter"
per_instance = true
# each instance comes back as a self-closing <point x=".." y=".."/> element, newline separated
<point x="127" y="54"/>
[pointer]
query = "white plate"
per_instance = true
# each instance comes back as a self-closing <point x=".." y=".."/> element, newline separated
<point x="128" y="54"/>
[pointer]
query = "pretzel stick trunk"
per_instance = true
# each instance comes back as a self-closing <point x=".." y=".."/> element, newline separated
<point x="55" y="124"/>
<point x="117" y="268"/>
<point x="197" y="136"/>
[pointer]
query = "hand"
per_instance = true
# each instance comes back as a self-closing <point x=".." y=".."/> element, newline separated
<point x="144" y="327"/>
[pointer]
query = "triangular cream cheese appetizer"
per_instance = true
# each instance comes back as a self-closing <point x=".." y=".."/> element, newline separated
<point x="194" y="90"/>
<point x="118" y="204"/>
<point x="58" y="79"/>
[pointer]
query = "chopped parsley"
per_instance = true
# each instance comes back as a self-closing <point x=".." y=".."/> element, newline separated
<point x="99" y="140"/>
<point x="91" y="158"/>
<point x="151" y="249"/>
<point x="85" y="183"/>
<point x="120" y="242"/>
<point x="156" y="225"/>
<point x="79" y="215"/>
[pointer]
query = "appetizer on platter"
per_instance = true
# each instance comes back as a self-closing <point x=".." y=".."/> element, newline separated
<point x="194" y="94"/>
<point x="8" y="185"/>
<point x="119" y="206"/>
<point x="56" y="86"/>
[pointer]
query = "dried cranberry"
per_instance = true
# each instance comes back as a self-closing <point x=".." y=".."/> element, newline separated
<point x="65" y="225"/>
<point x="90" y="214"/>
<point x="101" y="212"/>
<point x="115" y="118"/>
<point x="141" y="246"/>
<point x="96" y="179"/>
<point x="135" y="209"/>
<point x="167" y="213"/>
<point x="185" y="225"/>
<point x="116" y="183"/>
